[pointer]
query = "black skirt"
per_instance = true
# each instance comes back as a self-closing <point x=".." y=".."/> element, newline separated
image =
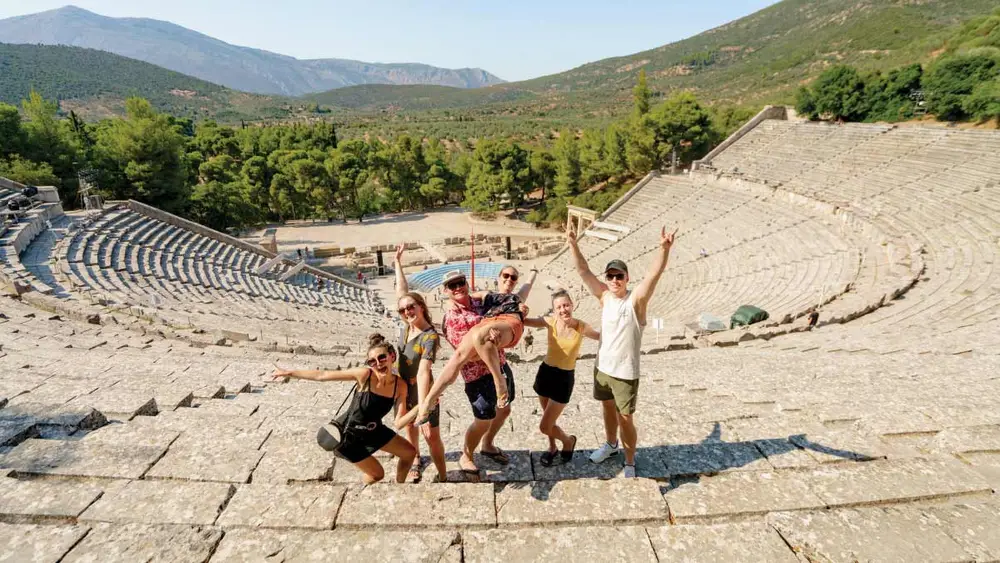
<point x="554" y="384"/>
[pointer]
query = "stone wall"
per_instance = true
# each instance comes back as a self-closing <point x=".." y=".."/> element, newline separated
<point x="769" y="112"/>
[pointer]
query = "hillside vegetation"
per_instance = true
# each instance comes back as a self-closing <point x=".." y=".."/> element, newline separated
<point x="97" y="83"/>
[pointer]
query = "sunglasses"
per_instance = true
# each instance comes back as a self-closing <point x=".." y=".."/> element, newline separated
<point x="407" y="308"/>
<point x="372" y="362"/>
<point x="614" y="277"/>
<point x="453" y="285"/>
<point x="511" y="277"/>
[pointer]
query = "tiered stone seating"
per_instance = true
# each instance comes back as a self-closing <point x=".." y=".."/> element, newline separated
<point x="760" y="251"/>
<point x="932" y="190"/>
<point x="430" y="279"/>
<point x="198" y="283"/>
<point x="119" y="448"/>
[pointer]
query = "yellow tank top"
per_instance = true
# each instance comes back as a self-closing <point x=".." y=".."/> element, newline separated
<point x="563" y="352"/>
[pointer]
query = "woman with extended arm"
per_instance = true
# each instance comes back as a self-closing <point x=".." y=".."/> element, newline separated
<point x="555" y="379"/>
<point x="418" y="347"/>
<point x="379" y="389"/>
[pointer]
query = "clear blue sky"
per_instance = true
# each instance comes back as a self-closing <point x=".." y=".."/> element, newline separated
<point x="514" y="39"/>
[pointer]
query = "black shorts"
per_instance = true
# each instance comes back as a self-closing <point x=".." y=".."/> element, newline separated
<point x="554" y="383"/>
<point x="483" y="394"/>
<point x="361" y="444"/>
<point x="412" y="397"/>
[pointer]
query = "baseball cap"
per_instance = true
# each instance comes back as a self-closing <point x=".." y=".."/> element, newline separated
<point x="616" y="265"/>
<point x="452" y="276"/>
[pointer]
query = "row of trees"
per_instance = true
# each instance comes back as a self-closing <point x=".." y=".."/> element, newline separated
<point x="227" y="177"/>
<point x="962" y="84"/>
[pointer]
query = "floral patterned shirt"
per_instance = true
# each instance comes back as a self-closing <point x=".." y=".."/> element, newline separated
<point x="457" y="323"/>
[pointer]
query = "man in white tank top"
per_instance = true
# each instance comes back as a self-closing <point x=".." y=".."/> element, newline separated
<point x="623" y="316"/>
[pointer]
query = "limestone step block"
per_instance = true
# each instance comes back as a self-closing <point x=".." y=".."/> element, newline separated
<point x="216" y="407"/>
<point x="866" y="534"/>
<point x="838" y="446"/>
<point x="625" y="543"/>
<point x="14" y="432"/>
<point x="894" y="481"/>
<point x="118" y="403"/>
<point x="283" y="506"/>
<point x="193" y="463"/>
<point x="287" y="460"/>
<point x="41" y="499"/>
<point x="76" y="458"/>
<point x="712" y="457"/>
<point x="648" y="463"/>
<point x="968" y="439"/>
<point x="131" y="434"/>
<point x="38" y="543"/>
<point x="53" y="416"/>
<point x="519" y="468"/>
<point x="782" y="453"/>
<point x="141" y="542"/>
<point x="244" y="544"/>
<point x="739" y="494"/>
<point x="162" y="502"/>
<point x="214" y="435"/>
<point x="56" y="392"/>
<point x="167" y="397"/>
<point x="745" y="542"/>
<point x="898" y="423"/>
<point x="301" y="428"/>
<point x="424" y="506"/>
<point x="581" y="502"/>
<point x="974" y="525"/>
<point x="987" y="465"/>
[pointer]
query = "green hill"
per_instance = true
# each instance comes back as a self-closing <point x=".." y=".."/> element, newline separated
<point x="95" y="84"/>
<point x="416" y="97"/>
<point x="761" y="58"/>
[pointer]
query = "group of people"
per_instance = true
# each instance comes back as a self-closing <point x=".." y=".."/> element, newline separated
<point x="480" y="326"/>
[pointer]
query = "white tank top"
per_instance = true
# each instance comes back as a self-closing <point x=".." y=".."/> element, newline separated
<point x="621" y="337"/>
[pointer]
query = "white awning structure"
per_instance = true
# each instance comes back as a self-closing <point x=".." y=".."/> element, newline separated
<point x="295" y="269"/>
<point x="267" y="266"/>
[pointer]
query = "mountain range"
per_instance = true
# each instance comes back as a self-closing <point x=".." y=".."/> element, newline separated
<point x="241" y="68"/>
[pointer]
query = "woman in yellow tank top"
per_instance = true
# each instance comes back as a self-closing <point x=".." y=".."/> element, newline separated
<point x="554" y="382"/>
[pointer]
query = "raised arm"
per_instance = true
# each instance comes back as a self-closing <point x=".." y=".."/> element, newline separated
<point x="645" y="289"/>
<point x="526" y="287"/>
<point x="590" y="332"/>
<point x="401" y="286"/>
<point x="353" y="374"/>
<point x="596" y="287"/>
<point x="537" y="322"/>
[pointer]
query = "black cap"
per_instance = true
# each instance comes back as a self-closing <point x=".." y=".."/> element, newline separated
<point x="616" y="265"/>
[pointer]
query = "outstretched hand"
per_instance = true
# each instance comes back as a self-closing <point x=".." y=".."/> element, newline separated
<point x="283" y="374"/>
<point x="667" y="240"/>
<point x="571" y="236"/>
<point x="399" y="252"/>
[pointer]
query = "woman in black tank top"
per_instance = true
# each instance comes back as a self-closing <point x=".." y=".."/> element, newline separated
<point x="379" y="390"/>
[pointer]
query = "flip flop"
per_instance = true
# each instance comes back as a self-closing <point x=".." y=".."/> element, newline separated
<point x="548" y="458"/>
<point x="567" y="454"/>
<point x="498" y="456"/>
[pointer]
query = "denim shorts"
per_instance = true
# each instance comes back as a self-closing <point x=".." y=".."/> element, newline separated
<point x="483" y="394"/>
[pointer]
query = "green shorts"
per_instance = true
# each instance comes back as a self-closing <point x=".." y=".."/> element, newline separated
<point x="623" y="391"/>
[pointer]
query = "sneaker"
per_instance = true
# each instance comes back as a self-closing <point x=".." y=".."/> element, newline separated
<point x="630" y="472"/>
<point x="604" y="452"/>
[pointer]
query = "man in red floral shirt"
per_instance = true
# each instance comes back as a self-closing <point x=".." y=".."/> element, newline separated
<point x="463" y="314"/>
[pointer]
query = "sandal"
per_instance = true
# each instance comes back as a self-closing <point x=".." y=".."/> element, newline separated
<point x="416" y="473"/>
<point x="468" y="472"/>
<point x="547" y="459"/>
<point x="498" y="456"/>
<point x="567" y="454"/>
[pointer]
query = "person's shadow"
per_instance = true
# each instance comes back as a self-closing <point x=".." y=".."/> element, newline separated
<point x="679" y="464"/>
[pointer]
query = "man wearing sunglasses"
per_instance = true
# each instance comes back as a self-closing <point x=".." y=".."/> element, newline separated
<point x="623" y="316"/>
<point x="462" y="314"/>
